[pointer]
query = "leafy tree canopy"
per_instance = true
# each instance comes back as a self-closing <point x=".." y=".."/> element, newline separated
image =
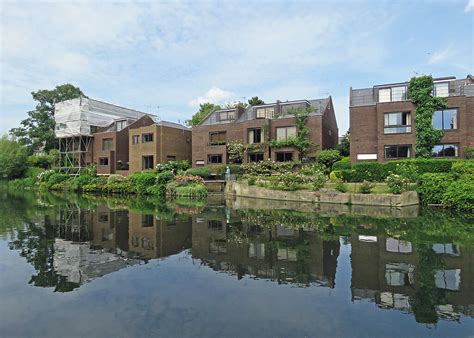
<point x="255" y="101"/>
<point x="345" y="145"/>
<point x="13" y="158"/>
<point x="204" y="110"/>
<point x="37" y="130"/>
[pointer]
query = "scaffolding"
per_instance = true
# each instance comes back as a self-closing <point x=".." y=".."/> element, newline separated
<point x="76" y="122"/>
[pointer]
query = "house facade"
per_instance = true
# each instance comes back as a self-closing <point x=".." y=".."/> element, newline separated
<point x="256" y="126"/>
<point x="382" y="120"/>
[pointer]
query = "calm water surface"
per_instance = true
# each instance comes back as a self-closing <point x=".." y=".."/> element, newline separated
<point x="89" y="266"/>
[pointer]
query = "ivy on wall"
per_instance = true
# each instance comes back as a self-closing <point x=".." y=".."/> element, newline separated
<point x="420" y="93"/>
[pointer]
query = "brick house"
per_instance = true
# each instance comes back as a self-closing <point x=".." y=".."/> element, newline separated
<point x="255" y="126"/>
<point x="382" y="120"/>
<point x="153" y="142"/>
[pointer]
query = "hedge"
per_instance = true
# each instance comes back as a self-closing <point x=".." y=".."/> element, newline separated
<point x="460" y="195"/>
<point x="432" y="186"/>
<point x="343" y="164"/>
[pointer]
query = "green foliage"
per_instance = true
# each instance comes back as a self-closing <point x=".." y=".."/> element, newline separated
<point x="431" y="187"/>
<point x="252" y="180"/>
<point x="289" y="181"/>
<point x="164" y="177"/>
<point x="204" y="110"/>
<point x="460" y="194"/>
<point x="235" y="150"/>
<point x="461" y="168"/>
<point x="423" y="165"/>
<point x="469" y="152"/>
<point x="344" y="146"/>
<point x="396" y="183"/>
<point x="13" y="158"/>
<point x="366" y="187"/>
<point x="340" y="186"/>
<point x="203" y="172"/>
<point x="142" y="180"/>
<point x="194" y="190"/>
<point x="267" y="167"/>
<point x="344" y="163"/>
<point x="54" y="180"/>
<point x="43" y="161"/>
<point x="182" y="180"/>
<point x="318" y="179"/>
<point x="37" y="131"/>
<point x="407" y="170"/>
<point x="22" y="184"/>
<point x="289" y="142"/>
<point x="328" y="156"/>
<point x="336" y="175"/>
<point x="174" y="166"/>
<point x="34" y="172"/>
<point x="255" y="101"/>
<point x="419" y="90"/>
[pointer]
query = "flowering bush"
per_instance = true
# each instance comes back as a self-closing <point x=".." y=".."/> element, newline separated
<point x="366" y="187"/>
<point x="267" y="167"/>
<point x="173" y="166"/>
<point x="396" y="183"/>
<point x="183" y="180"/>
<point x="288" y="181"/>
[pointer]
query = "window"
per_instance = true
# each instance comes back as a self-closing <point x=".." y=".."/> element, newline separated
<point x="397" y="123"/>
<point x="147" y="221"/>
<point x="107" y="144"/>
<point x="441" y="89"/>
<point x="445" y="150"/>
<point x="393" y="94"/>
<point x="171" y="158"/>
<point x="119" y="125"/>
<point x="103" y="217"/>
<point x="285" y="133"/>
<point x="147" y="138"/>
<point x="214" y="225"/>
<point x="265" y="113"/>
<point x="217" y="138"/>
<point x="446" y="119"/>
<point x="103" y="161"/>
<point x="135" y="139"/>
<point x="284" y="157"/>
<point x="147" y="162"/>
<point x="255" y="136"/>
<point x="226" y="115"/>
<point x="257" y="157"/>
<point x="214" y="159"/>
<point x="397" y="151"/>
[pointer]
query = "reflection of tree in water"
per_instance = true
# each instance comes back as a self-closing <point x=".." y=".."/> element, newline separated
<point x="427" y="295"/>
<point x="37" y="246"/>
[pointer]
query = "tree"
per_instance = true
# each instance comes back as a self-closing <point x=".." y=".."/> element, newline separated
<point x="37" y="131"/>
<point x="204" y="110"/>
<point x="345" y="145"/>
<point x="13" y="158"/>
<point x="255" y="101"/>
<point x="235" y="104"/>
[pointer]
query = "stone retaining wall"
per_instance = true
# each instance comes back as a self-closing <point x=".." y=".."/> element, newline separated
<point x="389" y="200"/>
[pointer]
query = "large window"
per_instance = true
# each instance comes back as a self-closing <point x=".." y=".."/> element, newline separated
<point x="284" y="133"/>
<point x="217" y="138"/>
<point x="147" y="220"/>
<point x="441" y="89"/>
<point x="284" y="157"/>
<point x="135" y="139"/>
<point x="119" y="125"/>
<point x="107" y="144"/>
<point x="399" y="122"/>
<point x="393" y="94"/>
<point x="226" y="115"/>
<point x="265" y="113"/>
<point x="256" y="157"/>
<point x="214" y="158"/>
<point x="255" y="135"/>
<point x="446" y="119"/>
<point x="147" y="138"/>
<point x="398" y="151"/>
<point x="103" y="161"/>
<point x="147" y="162"/>
<point x="445" y="150"/>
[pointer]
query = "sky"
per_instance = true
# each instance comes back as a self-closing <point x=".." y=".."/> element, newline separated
<point x="167" y="57"/>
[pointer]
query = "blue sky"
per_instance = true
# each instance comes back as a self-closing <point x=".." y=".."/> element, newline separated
<point x="167" y="57"/>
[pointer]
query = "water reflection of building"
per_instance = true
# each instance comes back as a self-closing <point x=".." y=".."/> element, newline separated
<point x="430" y="280"/>
<point x="277" y="253"/>
<point x="151" y="237"/>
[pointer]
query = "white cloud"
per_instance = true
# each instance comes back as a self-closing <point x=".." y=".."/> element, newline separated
<point x="213" y="95"/>
<point x="469" y="6"/>
<point x="441" y="55"/>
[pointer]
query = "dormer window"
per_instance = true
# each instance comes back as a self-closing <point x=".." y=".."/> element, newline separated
<point x="119" y="125"/>
<point x="265" y="113"/>
<point x="226" y="115"/>
<point x="391" y="94"/>
<point x="441" y="89"/>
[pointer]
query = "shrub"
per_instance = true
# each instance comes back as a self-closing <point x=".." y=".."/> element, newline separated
<point x="407" y="170"/>
<point x="34" y="172"/>
<point x="335" y="175"/>
<point x="251" y="180"/>
<point x="12" y="158"/>
<point x="116" y="179"/>
<point x="424" y="165"/>
<point x="396" y="183"/>
<point x="469" y="152"/>
<point x="366" y="187"/>
<point x="318" y="179"/>
<point x="141" y="181"/>
<point x="55" y="179"/>
<point x="431" y="187"/>
<point x="267" y="167"/>
<point x="289" y="181"/>
<point x="220" y="169"/>
<point x="90" y="171"/>
<point x="203" y="172"/>
<point x="173" y="166"/>
<point x="45" y="175"/>
<point x="328" y="157"/>
<point x="190" y="191"/>
<point x="369" y="171"/>
<point x="461" y="168"/>
<point x="77" y="183"/>
<point x="312" y="169"/>
<point x="164" y="177"/>
<point x="22" y="184"/>
<point x="460" y="195"/>
<point x="43" y="161"/>
<point x="344" y="163"/>
<point x="183" y="180"/>
<point x="340" y="186"/>
<point x="119" y="187"/>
